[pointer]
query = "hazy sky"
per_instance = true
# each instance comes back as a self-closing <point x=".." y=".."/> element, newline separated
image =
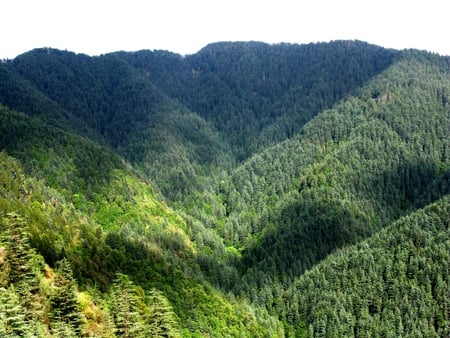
<point x="185" y="26"/>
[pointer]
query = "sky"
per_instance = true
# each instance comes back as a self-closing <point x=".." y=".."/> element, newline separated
<point x="96" y="27"/>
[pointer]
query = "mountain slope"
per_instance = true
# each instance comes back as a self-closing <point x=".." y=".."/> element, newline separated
<point x="81" y="204"/>
<point x="186" y="121"/>
<point x="394" y="284"/>
<point x="21" y="95"/>
<point x="257" y="94"/>
<point x="275" y="159"/>
<point x="128" y="112"/>
<point x="352" y="170"/>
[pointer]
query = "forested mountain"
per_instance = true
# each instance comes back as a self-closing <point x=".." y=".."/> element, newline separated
<point x="396" y="284"/>
<point x="246" y="190"/>
<point x="79" y="213"/>
<point x="256" y="94"/>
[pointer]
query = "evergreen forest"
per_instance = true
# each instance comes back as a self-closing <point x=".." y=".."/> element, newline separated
<point x="246" y="190"/>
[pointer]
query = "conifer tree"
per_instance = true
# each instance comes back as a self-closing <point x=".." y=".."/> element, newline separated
<point x="124" y="307"/>
<point x="12" y="314"/>
<point x="18" y="252"/>
<point x="18" y="275"/>
<point x="64" y="303"/>
<point x="162" y="319"/>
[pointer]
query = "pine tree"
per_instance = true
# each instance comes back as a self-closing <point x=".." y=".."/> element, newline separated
<point x="64" y="303"/>
<point x="63" y="330"/>
<point x="19" y="264"/>
<point x="12" y="314"/>
<point x="162" y="319"/>
<point x="124" y="307"/>
<point x="17" y="252"/>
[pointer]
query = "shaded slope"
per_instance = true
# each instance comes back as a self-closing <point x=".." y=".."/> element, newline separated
<point x="186" y="120"/>
<point x="352" y="170"/>
<point x="255" y="95"/>
<point x="127" y="111"/>
<point x="346" y="172"/>
<point x="83" y="204"/>
<point x="258" y="94"/>
<point x="21" y="95"/>
<point x="62" y="159"/>
<point x="394" y="284"/>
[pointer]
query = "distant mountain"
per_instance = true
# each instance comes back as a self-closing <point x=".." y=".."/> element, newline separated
<point x="181" y="118"/>
<point x="258" y="94"/>
<point x="216" y="194"/>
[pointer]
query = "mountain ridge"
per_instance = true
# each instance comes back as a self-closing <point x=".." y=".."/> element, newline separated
<point x="273" y="159"/>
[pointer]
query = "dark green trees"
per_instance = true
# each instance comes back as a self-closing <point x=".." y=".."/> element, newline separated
<point x="136" y="315"/>
<point x="295" y="175"/>
<point x="64" y="307"/>
<point x="20" y="311"/>
<point x="385" y="286"/>
<point x="352" y="170"/>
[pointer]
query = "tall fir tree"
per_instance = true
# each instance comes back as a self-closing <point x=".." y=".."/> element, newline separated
<point x="125" y="310"/>
<point x="162" y="319"/>
<point x="65" y="309"/>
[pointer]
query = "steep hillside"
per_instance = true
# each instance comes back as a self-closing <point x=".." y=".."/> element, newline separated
<point x="257" y="94"/>
<point x="186" y="121"/>
<point x="96" y="227"/>
<point x="21" y="95"/>
<point x="396" y="284"/>
<point x="352" y="170"/>
<point x="246" y="190"/>
<point x="127" y="112"/>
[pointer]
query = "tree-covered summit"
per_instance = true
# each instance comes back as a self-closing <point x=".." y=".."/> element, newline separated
<point x="246" y="190"/>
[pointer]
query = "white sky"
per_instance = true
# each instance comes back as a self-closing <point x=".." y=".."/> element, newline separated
<point x="99" y="26"/>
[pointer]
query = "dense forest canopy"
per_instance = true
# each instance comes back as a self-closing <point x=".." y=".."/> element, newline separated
<point x="248" y="190"/>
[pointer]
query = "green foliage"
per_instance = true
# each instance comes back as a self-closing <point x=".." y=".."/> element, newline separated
<point x="149" y="243"/>
<point x="394" y="284"/>
<point x="65" y="160"/>
<point x="162" y="320"/>
<point x="18" y="253"/>
<point x="125" y="309"/>
<point x="13" y="321"/>
<point x="288" y="169"/>
<point x="123" y="109"/>
<point x="183" y="119"/>
<point x="352" y="170"/>
<point x="63" y="303"/>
